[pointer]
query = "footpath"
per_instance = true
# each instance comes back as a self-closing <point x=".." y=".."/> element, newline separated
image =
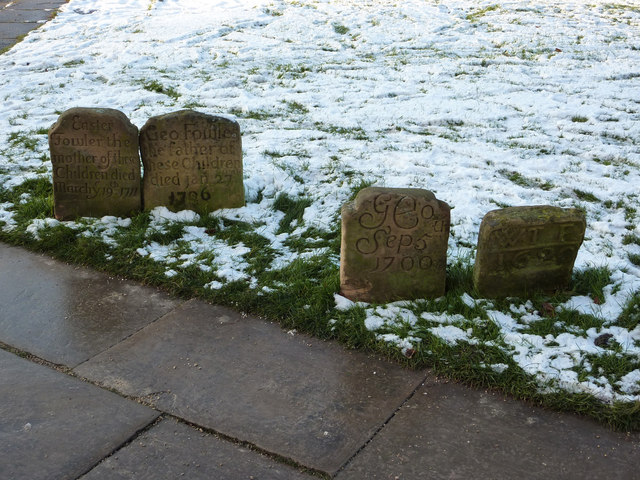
<point x="103" y="378"/>
<point x="19" y="17"/>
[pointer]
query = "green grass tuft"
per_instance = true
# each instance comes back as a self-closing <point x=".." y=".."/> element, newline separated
<point x="591" y="281"/>
<point x="340" y="29"/>
<point x="293" y="209"/>
<point x="157" y="87"/>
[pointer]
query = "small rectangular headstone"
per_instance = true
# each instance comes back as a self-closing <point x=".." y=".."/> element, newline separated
<point x="96" y="164"/>
<point x="394" y="245"/>
<point x="192" y="161"/>
<point x="526" y="249"/>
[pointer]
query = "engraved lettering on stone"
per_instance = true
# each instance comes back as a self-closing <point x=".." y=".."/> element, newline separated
<point x="95" y="164"/>
<point x="192" y="161"/>
<point x="393" y="231"/>
<point x="521" y="249"/>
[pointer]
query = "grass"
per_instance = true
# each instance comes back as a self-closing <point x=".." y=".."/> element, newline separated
<point x="579" y="119"/>
<point x="300" y="294"/>
<point x="475" y="16"/>
<point x="292" y="269"/>
<point x="630" y="239"/>
<point x="340" y="29"/>
<point x="592" y="282"/>
<point x="519" y="179"/>
<point x="357" y="133"/>
<point x="157" y="87"/>
<point x="296" y="107"/>
<point x="73" y="63"/>
<point x="290" y="71"/>
<point x="253" y="114"/>
<point x="293" y="209"/>
<point x="586" y="196"/>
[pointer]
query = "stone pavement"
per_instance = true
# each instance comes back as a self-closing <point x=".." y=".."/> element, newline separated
<point x="102" y="378"/>
<point x="105" y="378"/>
<point x="19" y="17"/>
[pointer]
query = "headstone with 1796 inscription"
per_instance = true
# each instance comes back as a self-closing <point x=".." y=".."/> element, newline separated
<point x="192" y="161"/>
<point x="95" y="163"/>
<point x="394" y="245"/>
<point x="522" y="250"/>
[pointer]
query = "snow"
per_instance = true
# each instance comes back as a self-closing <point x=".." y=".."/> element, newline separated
<point x="343" y="303"/>
<point x="451" y="334"/>
<point x="519" y="105"/>
<point x="630" y="383"/>
<point x="6" y="216"/>
<point x="161" y="216"/>
<point x="39" y="224"/>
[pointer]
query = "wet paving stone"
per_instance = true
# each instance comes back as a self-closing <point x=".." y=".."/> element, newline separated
<point x="53" y="426"/>
<point x="173" y="450"/>
<point x="67" y="314"/>
<point x="447" y="430"/>
<point x="298" y="397"/>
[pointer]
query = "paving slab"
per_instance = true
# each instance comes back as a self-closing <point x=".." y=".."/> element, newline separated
<point x="53" y="426"/>
<point x="172" y="450"/>
<point x="35" y="4"/>
<point x="17" y="15"/>
<point x="11" y="31"/>
<point x="5" y="42"/>
<point x="450" y="431"/>
<point x="67" y="314"/>
<point x="294" y="396"/>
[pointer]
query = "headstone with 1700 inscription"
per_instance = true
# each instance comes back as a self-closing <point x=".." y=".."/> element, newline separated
<point x="394" y="245"/>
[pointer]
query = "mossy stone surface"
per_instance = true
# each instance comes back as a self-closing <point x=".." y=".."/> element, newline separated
<point x="96" y="164"/>
<point x="394" y="245"/>
<point x="522" y="250"/>
<point x="192" y="161"/>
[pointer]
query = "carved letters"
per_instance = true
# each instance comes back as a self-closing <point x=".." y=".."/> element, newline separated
<point x="523" y="249"/>
<point x="95" y="162"/>
<point x="394" y="241"/>
<point x="192" y="161"/>
<point x="394" y="245"/>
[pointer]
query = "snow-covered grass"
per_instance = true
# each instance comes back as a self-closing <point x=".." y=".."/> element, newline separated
<point x="487" y="104"/>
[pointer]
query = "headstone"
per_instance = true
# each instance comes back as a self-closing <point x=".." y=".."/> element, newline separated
<point x="526" y="249"/>
<point x="394" y="245"/>
<point x="192" y="161"/>
<point x="96" y="164"/>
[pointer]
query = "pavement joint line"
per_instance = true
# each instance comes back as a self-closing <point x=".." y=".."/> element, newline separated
<point x="124" y="444"/>
<point x="38" y="360"/>
<point x="220" y="436"/>
<point x="422" y="383"/>
<point x="162" y="415"/>
<point x="181" y="302"/>
<point x="71" y="373"/>
<point x="145" y="401"/>
<point x="253" y="447"/>
<point x="227" y="438"/>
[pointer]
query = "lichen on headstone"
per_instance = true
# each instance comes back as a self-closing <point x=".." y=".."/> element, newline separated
<point x="192" y="161"/>
<point x="394" y="245"/>
<point x="96" y="164"/>
<point x="522" y="250"/>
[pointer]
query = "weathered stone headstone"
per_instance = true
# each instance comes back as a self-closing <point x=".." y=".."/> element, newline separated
<point x="96" y="164"/>
<point x="192" y="161"/>
<point x="526" y="249"/>
<point x="394" y="245"/>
